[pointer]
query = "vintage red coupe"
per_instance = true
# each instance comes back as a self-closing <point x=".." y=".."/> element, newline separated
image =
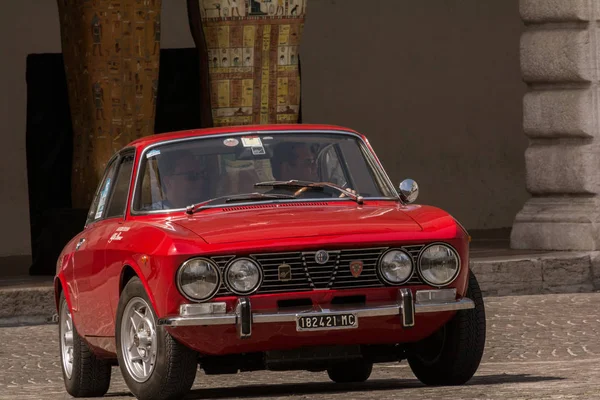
<point x="275" y="247"/>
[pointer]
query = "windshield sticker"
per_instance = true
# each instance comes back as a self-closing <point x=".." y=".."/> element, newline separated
<point x="258" y="151"/>
<point x="152" y="153"/>
<point x="231" y="142"/>
<point x="251" y="141"/>
<point x="102" y="199"/>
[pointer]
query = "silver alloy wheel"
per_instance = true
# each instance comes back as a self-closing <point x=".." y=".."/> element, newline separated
<point x="66" y="339"/>
<point x="138" y="339"/>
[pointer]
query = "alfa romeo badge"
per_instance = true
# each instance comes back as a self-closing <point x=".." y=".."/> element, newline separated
<point x="321" y="257"/>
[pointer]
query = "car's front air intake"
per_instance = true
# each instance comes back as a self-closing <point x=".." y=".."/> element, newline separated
<point x="301" y="271"/>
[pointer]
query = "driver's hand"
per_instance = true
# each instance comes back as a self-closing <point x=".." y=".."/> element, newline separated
<point x="350" y="190"/>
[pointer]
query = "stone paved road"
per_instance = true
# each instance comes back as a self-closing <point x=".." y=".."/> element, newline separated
<point x="539" y="347"/>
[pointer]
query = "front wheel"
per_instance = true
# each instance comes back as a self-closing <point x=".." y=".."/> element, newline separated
<point x="154" y="365"/>
<point x="452" y="355"/>
<point x="84" y="374"/>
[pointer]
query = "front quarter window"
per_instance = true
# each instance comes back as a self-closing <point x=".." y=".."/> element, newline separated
<point x="120" y="191"/>
<point x="102" y="192"/>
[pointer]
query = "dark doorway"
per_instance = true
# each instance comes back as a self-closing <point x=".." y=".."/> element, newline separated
<point x="49" y="139"/>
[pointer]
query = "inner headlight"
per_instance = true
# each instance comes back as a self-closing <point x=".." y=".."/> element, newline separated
<point x="396" y="267"/>
<point x="198" y="279"/>
<point x="243" y="276"/>
<point x="438" y="265"/>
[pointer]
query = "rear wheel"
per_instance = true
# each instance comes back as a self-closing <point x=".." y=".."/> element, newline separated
<point x="83" y="373"/>
<point x="452" y="355"/>
<point x="351" y="371"/>
<point x="154" y="365"/>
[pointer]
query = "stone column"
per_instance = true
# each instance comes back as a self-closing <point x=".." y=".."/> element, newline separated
<point x="111" y="52"/>
<point x="560" y="64"/>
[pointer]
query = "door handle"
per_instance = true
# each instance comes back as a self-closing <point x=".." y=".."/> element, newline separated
<point x="81" y="241"/>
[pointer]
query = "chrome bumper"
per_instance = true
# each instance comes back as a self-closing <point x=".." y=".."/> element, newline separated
<point x="208" y="314"/>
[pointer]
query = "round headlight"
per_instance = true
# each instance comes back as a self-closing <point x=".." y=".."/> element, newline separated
<point x="198" y="279"/>
<point x="438" y="265"/>
<point x="243" y="276"/>
<point x="396" y="267"/>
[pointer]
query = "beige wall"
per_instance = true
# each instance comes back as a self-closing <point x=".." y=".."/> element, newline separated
<point x="25" y="27"/>
<point x="435" y="85"/>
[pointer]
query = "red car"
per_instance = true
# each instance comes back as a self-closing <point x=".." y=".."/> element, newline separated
<point x="275" y="247"/>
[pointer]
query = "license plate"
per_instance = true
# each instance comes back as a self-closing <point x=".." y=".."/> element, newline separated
<point x="325" y="322"/>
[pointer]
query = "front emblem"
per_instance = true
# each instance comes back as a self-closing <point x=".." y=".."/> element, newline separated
<point x="284" y="272"/>
<point x="356" y="268"/>
<point x="321" y="257"/>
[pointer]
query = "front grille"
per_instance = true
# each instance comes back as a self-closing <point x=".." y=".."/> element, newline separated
<point x="307" y="274"/>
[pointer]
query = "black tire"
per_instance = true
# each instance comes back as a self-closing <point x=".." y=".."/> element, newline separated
<point x="90" y="376"/>
<point x="350" y="372"/>
<point x="175" y="366"/>
<point x="452" y="355"/>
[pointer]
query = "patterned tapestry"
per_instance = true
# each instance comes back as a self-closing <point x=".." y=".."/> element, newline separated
<point x="111" y="51"/>
<point x="253" y="59"/>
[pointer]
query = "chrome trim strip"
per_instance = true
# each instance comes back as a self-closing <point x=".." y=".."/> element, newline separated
<point x="429" y="296"/>
<point x="206" y="320"/>
<point x="408" y="308"/>
<point x="462" y="304"/>
<point x="382" y="310"/>
<point x="187" y="310"/>
<point x="243" y="321"/>
<point x="266" y="132"/>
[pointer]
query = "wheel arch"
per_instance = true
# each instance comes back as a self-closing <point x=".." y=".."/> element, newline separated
<point x="59" y="288"/>
<point x="131" y="270"/>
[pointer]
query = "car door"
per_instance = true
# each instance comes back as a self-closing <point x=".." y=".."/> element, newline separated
<point x="88" y="258"/>
<point x="117" y="244"/>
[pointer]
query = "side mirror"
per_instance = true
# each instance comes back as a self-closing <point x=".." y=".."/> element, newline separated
<point x="409" y="191"/>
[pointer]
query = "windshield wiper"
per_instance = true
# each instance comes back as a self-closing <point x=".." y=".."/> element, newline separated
<point x="239" y="197"/>
<point x="311" y="185"/>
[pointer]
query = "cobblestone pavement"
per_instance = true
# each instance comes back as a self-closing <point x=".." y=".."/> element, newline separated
<point x="539" y="347"/>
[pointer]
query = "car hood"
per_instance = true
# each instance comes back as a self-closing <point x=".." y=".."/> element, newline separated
<point x="237" y="224"/>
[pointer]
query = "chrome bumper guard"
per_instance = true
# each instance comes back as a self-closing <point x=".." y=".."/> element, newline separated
<point x="208" y="314"/>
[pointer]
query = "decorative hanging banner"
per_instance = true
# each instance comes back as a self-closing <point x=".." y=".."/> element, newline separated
<point x="253" y="69"/>
<point x="111" y="51"/>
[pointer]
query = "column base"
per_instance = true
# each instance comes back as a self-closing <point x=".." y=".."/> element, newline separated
<point x="558" y="223"/>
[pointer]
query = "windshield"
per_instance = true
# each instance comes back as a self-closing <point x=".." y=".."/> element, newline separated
<point x="180" y="174"/>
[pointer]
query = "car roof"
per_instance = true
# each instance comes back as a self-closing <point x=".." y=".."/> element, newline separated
<point x="161" y="137"/>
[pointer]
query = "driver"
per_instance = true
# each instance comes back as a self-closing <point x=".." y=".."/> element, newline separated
<point x="183" y="180"/>
<point x="296" y="161"/>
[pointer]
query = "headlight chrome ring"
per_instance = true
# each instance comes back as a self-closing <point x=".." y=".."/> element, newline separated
<point x="231" y="285"/>
<point x="427" y="276"/>
<point x="212" y="272"/>
<point x="385" y="277"/>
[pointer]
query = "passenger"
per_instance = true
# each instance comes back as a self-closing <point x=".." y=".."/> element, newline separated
<point x="183" y="180"/>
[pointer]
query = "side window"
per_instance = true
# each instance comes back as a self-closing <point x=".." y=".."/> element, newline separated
<point x="118" y="200"/>
<point x="101" y="197"/>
